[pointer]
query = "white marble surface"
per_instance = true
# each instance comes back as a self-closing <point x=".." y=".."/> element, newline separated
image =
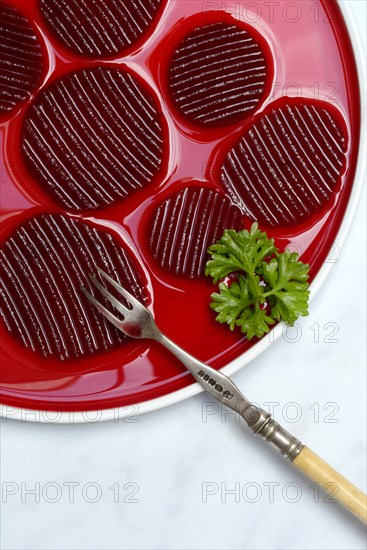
<point x="174" y="467"/>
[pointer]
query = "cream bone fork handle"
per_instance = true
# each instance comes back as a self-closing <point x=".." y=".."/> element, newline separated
<point x="137" y="321"/>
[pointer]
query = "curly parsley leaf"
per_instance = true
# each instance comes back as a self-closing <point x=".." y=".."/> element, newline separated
<point x="271" y="285"/>
<point x="231" y="301"/>
<point x="254" y="322"/>
<point x="229" y="253"/>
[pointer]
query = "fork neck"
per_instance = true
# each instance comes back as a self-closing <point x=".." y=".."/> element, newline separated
<point x="191" y="363"/>
<point x="214" y="382"/>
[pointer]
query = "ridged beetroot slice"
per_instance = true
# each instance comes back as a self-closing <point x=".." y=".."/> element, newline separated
<point x="287" y="165"/>
<point x="93" y="137"/>
<point x="185" y="225"/>
<point x="43" y="264"/>
<point x="21" y="61"/>
<point x="217" y="74"/>
<point x="99" y="28"/>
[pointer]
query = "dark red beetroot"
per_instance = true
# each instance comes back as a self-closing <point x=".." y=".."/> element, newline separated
<point x="186" y="224"/>
<point x="21" y="60"/>
<point x="43" y="264"/>
<point x="93" y="137"/>
<point x="99" y="28"/>
<point x="287" y="164"/>
<point x="217" y="74"/>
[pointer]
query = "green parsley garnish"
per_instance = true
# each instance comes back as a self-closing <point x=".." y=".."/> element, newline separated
<point x="270" y="285"/>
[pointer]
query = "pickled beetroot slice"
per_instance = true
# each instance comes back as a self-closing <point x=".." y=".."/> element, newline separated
<point x="185" y="225"/>
<point x="21" y="60"/>
<point x="43" y="264"/>
<point x="286" y="166"/>
<point x="217" y="75"/>
<point x="99" y="28"/>
<point x="93" y="137"/>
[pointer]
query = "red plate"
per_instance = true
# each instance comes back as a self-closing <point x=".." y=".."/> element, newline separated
<point x="307" y="55"/>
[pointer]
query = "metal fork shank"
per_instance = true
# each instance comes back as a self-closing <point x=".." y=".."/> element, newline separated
<point x="214" y="382"/>
<point x="219" y="386"/>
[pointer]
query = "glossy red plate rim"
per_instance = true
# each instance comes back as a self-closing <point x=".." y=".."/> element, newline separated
<point x="88" y="416"/>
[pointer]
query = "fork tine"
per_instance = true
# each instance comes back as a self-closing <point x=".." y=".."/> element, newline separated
<point x="114" y="320"/>
<point x="129" y="297"/>
<point x="121" y="308"/>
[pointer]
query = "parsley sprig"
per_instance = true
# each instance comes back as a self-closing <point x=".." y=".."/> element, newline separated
<point x="270" y="285"/>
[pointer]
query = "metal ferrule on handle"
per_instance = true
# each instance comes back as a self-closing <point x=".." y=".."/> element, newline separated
<point x="261" y="423"/>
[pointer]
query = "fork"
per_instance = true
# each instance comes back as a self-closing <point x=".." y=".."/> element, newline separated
<point x="137" y="322"/>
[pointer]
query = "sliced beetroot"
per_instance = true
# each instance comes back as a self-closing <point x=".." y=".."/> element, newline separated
<point x="21" y="61"/>
<point x="43" y="264"/>
<point x="185" y="225"/>
<point x="99" y="28"/>
<point x="93" y="137"/>
<point x="287" y="164"/>
<point x="217" y="74"/>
